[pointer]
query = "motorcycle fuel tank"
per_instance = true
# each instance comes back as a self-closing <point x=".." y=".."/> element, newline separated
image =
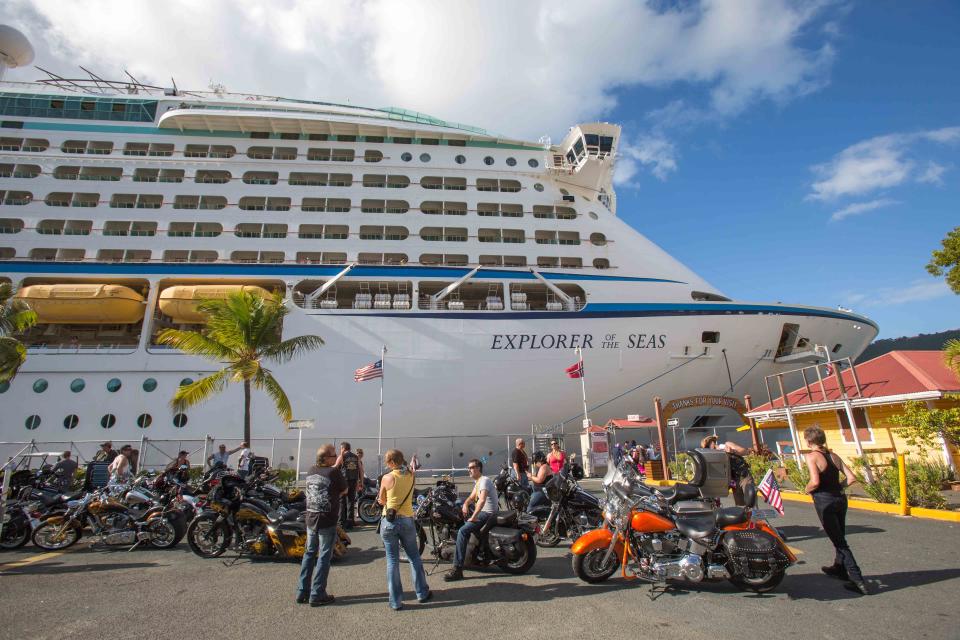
<point x="650" y="522"/>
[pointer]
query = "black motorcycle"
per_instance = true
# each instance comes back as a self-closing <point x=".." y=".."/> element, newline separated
<point x="512" y="494"/>
<point x="571" y="511"/>
<point x="368" y="508"/>
<point x="506" y="540"/>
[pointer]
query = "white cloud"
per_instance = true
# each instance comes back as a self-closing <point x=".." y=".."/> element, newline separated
<point x="933" y="174"/>
<point x="879" y="163"/>
<point x="861" y="207"/>
<point x="655" y="153"/>
<point x="916" y="291"/>
<point x="524" y="68"/>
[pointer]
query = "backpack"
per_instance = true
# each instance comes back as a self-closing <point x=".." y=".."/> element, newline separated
<point x="351" y="466"/>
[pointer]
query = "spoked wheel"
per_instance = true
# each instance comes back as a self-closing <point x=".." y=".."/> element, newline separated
<point x="525" y="561"/>
<point x="14" y="537"/>
<point x="549" y="538"/>
<point x="53" y="536"/>
<point x="206" y="538"/>
<point x="163" y="532"/>
<point x="590" y="567"/>
<point x="762" y="584"/>
<point x="369" y="511"/>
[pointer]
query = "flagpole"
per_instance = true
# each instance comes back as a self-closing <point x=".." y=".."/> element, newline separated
<point x="383" y="354"/>
<point x="583" y="386"/>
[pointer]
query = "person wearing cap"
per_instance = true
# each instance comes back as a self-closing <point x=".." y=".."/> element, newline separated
<point x="106" y="453"/>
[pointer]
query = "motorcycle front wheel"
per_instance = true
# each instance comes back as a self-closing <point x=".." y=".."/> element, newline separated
<point x="762" y="584"/>
<point x="525" y="561"/>
<point x="369" y="511"/>
<point x="205" y="539"/>
<point x="14" y="537"/>
<point x="49" y="537"/>
<point x="163" y="532"/>
<point x="590" y="568"/>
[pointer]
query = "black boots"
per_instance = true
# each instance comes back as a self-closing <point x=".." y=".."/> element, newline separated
<point x="453" y="575"/>
<point x="835" y="571"/>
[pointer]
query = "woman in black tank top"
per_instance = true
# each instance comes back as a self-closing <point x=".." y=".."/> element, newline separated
<point x="831" y="506"/>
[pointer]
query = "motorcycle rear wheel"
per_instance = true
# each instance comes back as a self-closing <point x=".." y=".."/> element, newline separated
<point x="46" y="536"/>
<point x="524" y="563"/>
<point x="767" y="583"/>
<point x="164" y="534"/>
<point x="589" y="566"/>
<point x="14" y="537"/>
<point x="205" y="540"/>
<point x="369" y="511"/>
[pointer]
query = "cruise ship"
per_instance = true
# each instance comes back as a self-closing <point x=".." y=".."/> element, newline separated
<point x="480" y="262"/>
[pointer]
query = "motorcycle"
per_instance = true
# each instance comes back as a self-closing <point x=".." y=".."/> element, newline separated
<point x="506" y="540"/>
<point x="27" y="511"/>
<point x="250" y="525"/>
<point x="571" y="512"/>
<point x="368" y="509"/>
<point x="677" y="533"/>
<point x="112" y="521"/>
<point x="513" y="494"/>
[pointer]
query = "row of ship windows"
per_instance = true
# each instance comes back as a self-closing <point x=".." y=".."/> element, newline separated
<point x="293" y="178"/>
<point x="79" y="384"/>
<point x="72" y="421"/>
<point x="304" y="231"/>
<point x="302" y="257"/>
<point x="221" y="151"/>
<point x="307" y="205"/>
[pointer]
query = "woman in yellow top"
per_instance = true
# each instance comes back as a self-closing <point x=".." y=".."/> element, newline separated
<point x="397" y="528"/>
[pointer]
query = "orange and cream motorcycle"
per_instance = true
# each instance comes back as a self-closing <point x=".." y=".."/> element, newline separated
<point x="679" y="533"/>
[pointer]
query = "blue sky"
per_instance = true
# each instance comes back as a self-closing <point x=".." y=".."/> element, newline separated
<point x="798" y="150"/>
<point x="741" y="207"/>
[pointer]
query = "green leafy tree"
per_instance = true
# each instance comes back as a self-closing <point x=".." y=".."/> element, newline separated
<point x="951" y="355"/>
<point x="243" y="332"/>
<point x="947" y="260"/>
<point x="922" y="427"/>
<point x="15" y="316"/>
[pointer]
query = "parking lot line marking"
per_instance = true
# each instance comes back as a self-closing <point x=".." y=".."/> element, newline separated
<point x="37" y="558"/>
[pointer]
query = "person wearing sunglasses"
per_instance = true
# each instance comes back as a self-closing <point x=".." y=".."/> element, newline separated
<point x="484" y="501"/>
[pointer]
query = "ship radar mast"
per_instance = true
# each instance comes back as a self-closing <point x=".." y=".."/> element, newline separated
<point x="15" y="49"/>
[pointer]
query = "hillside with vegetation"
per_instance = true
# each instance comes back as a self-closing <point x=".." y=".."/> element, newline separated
<point x="922" y="342"/>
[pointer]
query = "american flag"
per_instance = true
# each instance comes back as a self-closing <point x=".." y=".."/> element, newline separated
<point x="771" y="492"/>
<point x="575" y="370"/>
<point x="369" y="372"/>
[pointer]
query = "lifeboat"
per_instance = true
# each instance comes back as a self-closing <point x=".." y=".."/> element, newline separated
<point x="83" y="303"/>
<point x="180" y="302"/>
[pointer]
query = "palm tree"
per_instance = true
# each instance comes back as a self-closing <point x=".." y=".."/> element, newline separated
<point x="15" y="316"/>
<point x="951" y="355"/>
<point x="243" y="332"/>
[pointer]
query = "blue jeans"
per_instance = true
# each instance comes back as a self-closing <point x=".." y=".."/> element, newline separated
<point x="402" y="532"/>
<point x="463" y="537"/>
<point x="537" y="498"/>
<point x="320" y="539"/>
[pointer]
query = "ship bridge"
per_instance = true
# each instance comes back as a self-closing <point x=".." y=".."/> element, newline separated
<point x="584" y="161"/>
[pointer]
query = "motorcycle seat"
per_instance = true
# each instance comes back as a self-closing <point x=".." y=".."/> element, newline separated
<point x="276" y="517"/>
<point x="697" y="526"/>
<point x="504" y="519"/>
<point x="730" y="515"/>
<point x="677" y="492"/>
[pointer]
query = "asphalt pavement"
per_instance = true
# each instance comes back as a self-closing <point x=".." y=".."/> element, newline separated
<point x="912" y="566"/>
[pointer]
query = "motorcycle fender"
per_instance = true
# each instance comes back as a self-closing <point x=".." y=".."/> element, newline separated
<point x="763" y="526"/>
<point x="596" y="539"/>
<point x="53" y="519"/>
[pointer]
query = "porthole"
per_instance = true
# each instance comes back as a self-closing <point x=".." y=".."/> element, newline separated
<point x="460" y="159"/>
<point x="113" y="385"/>
<point x="77" y="385"/>
<point x="488" y="160"/>
<point x="533" y="163"/>
<point x="71" y="421"/>
<point x="406" y="156"/>
<point x="538" y="187"/>
<point x="426" y="455"/>
<point x="4" y="386"/>
<point x="186" y="381"/>
<point x="144" y="420"/>
<point x="598" y="239"/>
<point x="461" y="454"/>
<point x="424" y="157"/>
<point x="32" y="422"/>
<point x="180" y="420"/>
<point x="593" y="216"/>
<point x="108" y="421"/>
<point x="40" y="385"/>
<point x="511" y="162"/>
<point x="149" y="384"/>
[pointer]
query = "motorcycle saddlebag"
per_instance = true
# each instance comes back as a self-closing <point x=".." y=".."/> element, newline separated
<point x="505" y="543"/>
<point x="753" y="553"/>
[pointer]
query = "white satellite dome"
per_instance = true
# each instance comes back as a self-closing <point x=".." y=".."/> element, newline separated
<point x="15" y="49"/>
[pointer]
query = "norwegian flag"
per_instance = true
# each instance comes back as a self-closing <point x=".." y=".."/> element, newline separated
<point x="575" y="370"/>
<point x="771" y="492"/>
<point x="828" y="369"/>
<point x="369" y="372"/>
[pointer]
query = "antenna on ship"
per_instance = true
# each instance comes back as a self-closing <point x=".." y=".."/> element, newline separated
<point x="15" y="49"/>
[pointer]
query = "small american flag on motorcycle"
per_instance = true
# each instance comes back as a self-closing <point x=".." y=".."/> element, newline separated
<point x="771" y="492"/>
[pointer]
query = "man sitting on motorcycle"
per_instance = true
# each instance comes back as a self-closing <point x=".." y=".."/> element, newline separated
<point x="484" y="499"/>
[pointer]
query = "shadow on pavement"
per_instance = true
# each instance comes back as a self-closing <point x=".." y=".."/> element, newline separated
<point x="800" y="532"/>
<point x="465" y="594"/>
<point x="822" y="588"/>
<point x="60" y="568"/>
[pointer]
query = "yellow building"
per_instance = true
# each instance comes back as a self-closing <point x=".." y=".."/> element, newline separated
<point x="875" y="392"/>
